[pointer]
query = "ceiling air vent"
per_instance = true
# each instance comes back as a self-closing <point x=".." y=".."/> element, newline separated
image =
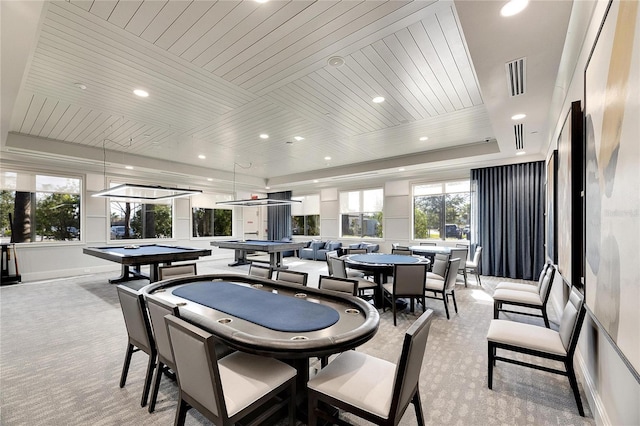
<point x="516" y="74"/>
<point x="518" y="133"/>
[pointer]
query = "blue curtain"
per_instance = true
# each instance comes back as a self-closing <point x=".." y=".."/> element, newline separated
<point x="509" y="219"/>
<point x="279" y="217"/>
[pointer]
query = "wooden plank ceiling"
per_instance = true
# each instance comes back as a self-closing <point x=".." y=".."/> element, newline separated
<point x="221" y="73"/>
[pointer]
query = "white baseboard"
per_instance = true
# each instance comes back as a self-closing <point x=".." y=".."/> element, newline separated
<point x="593" y="397"/>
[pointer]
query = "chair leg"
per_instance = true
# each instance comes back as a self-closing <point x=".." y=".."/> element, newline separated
<point x="181" y="412"/>
<point x="125" y="367"/>
<point x="156" y="386"/>
<point x="478" y="278"/>
<point x="496" y="309"/>
<point x="446" y="305"/>
<point x="453" y="296"/>
<point x="417" y="403"/>
<point x="393" y="307"/>
<point x="312" y="405"/>
<point x="147" y="380"/>
<point x="464" y="274"/>
<point x="490" y="355"/>
<point x="292" y="403"/>
<point x="574" y="385"/>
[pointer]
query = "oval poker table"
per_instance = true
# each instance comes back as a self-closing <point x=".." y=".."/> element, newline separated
<point x="272" y="318"/>
<point x="268" y="317"/>
<point x="380" y="265"/>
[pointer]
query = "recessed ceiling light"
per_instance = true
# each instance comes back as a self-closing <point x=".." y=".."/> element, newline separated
<point x="202" y="157"/>
<point x="298" y="138"/>
<point x="518" y="116"/>
<point x="264" y="136"/>
<point x="315" y="181"/>
<point x="80" y="86"/>
<point x="327" y="158"/>
<point x="267" y="187"/>
<point x="424" y="138"/>
<point x="261" y="1"/>
<point x="141" y="93"/>
<point x="378" y="99"/>
<point x="401" y="169"/>
<point x="520" y="153"/>
<point x="210" y="179"/>
<point x="336" y="61"/>
<point x="128" y="167"/>
<point x="513" y="7"/>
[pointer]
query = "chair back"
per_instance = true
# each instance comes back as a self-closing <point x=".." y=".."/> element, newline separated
<point x="452" y="274"/>
<point x="476" y="256"/>
<point x="332" y="253"/>
<point x="260" y="271"/>
<point x="543" y="273"/>
<point x="194" y="353"/>
<point x="440" y="264"/>
<point x="427" y="244"/>
<point x="158" y="309"/>
<point x="136" y="319"/>
<point x="409" y="279"/>
<point x="175" y="271"/>
<point x="292" y="277"/>
<point x="402" y="251"/>
<point x="343" y="285"/>
<point x="545" y="286"/>
<point x="338" y="267"/>
<point x="461" y="254"/>
<point x="410" y="363"/>
<point x="357" y="251"/>
<point x="571" y="321"/>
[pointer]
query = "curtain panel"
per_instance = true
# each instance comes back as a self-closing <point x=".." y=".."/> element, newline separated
<point x="279" y="217"/>
<point x="509" y="219"/>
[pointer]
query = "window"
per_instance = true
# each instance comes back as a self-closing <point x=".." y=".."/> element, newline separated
<point x="43" y="208"/>
<point x="135" y="220"/>
<point x="442" y="211"/>
<point x="361" y="213"/>
<point x="305" y="216"/>
<point x="207" y="220"/>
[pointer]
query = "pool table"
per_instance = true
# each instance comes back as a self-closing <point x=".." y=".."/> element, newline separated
<point x="274" y="248"/>
<point x="131" y="257"/>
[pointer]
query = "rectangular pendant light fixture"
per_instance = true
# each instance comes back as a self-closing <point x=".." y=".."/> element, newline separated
<point x="135" y="192"/>
<point x="257" y="202"/>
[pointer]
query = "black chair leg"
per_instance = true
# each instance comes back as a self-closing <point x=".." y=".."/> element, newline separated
<point x="181" y="412"/>
<point x="478" y="277"/>
<point x="574" y="385"/>
<point x="156" y="386"/>
<point x="312" y="406"/>
<point x="545" y="317"/>
<point x="490" y="355"/>
<point x="393" y="307"/>
<point x="453" y="296"/>
<point x="125" y="367"/>
<point x="147" y="380"/>
<point x="496" y="309"/>
<point x="417" y="403"/>
<point x="446" y="305"/>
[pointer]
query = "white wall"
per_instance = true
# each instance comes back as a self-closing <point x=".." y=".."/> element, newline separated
<point x="612" y="391"/>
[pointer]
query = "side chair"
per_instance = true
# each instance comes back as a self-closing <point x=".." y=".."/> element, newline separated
<point x="260" y="271"/>
<point x="374" y="389"/>
<point x="345" y="285"/>
<point x="229" y="389"/>
<point x="294" y="277"/>
<point x="175" y="271"/>
<point x="526" y="299"/>
<point x="402" y="251"/>
<point x="442" y="289"/>
<point x="139" y="335"/>
<point x="473" y="265"/>
<point x="408" y="281"/>
<point x="540" y="342"/>
<point x="460" y="253"/>
<point x="339" y="270"/>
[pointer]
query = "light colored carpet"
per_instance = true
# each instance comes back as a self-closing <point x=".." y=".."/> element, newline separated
<point x="63" y="343"/>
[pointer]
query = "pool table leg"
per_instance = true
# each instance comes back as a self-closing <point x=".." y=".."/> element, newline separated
<point x="126" y="274"/>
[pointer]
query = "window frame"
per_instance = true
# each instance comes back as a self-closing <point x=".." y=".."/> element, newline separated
<point x="464" y="237"/>
<point x="361" y="213"/>
<point x="306" y="212"/>
<point x="31" y="174"/>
